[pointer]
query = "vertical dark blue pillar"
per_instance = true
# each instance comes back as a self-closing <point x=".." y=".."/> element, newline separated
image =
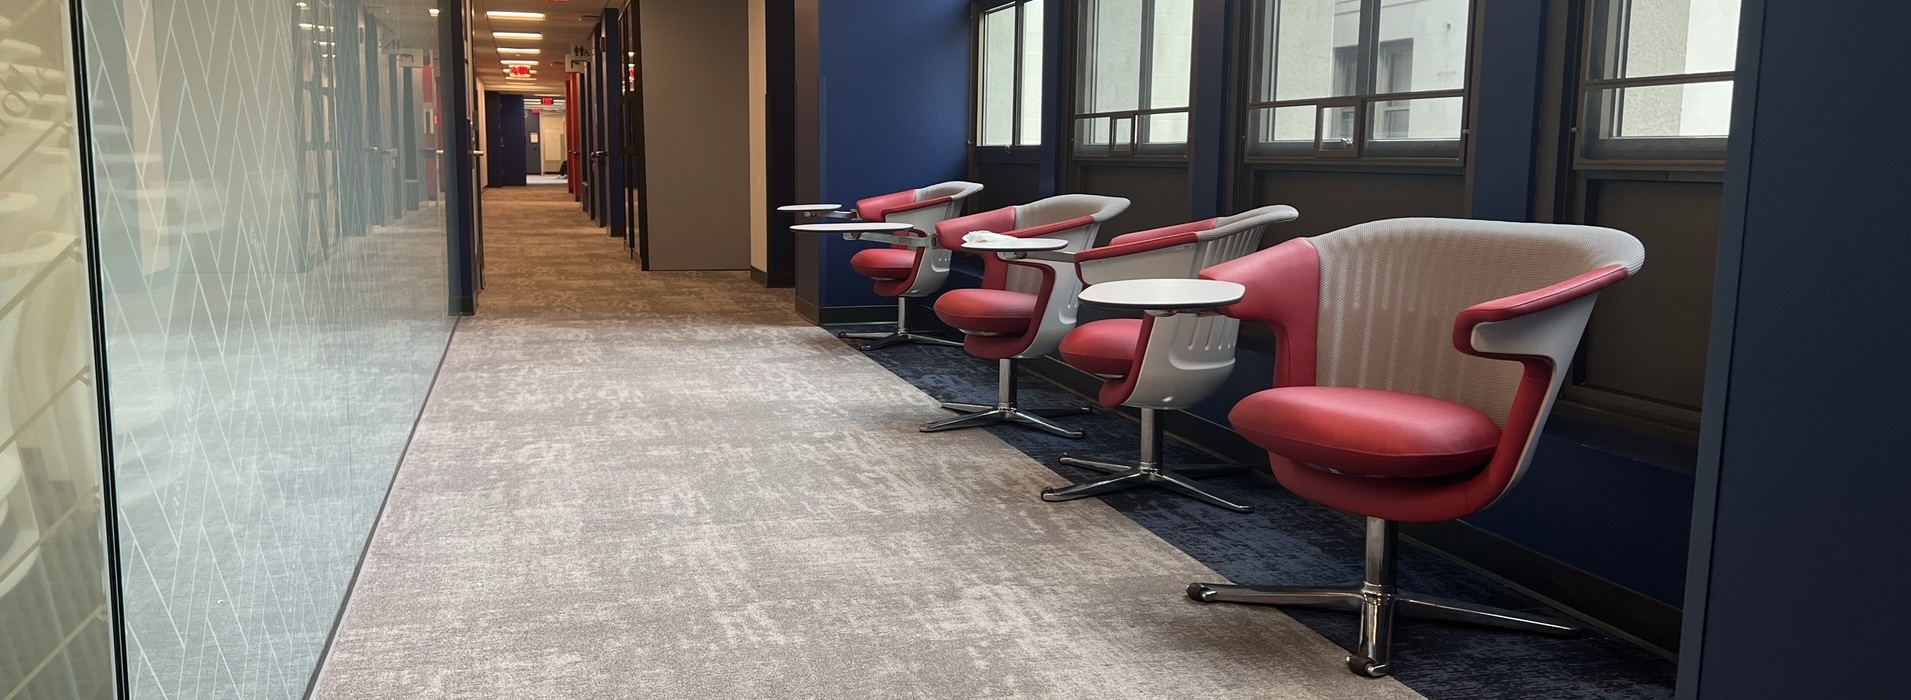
<point x="460" y="181"/>
<point x="1057" y="17"/>
<point x="1208" y="132"/>
<point x="1506" y="97"/>
<point x="1799" y="532"/>
<point x="612" y="120"/>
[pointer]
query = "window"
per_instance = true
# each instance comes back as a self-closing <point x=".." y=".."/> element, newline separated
<point x="1009" y="76"/>
<point x="1652" y="114"/>
<point x="1659" y="79"/>
<point x="1135" y="77"/>
<point x="1357" y="78"/>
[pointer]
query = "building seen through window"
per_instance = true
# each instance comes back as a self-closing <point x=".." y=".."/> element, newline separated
<point x="1358" y="77"/>
<point x="1009" y="76"/>
<point x="1135" y="77"/>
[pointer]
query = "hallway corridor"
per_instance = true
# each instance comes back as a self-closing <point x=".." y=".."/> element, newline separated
<point x="666" y="485"/>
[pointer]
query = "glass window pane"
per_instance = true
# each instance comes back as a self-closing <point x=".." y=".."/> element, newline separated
<point x="1422" y="46"/>
<point x="1165" y="128"/>
<point x="1294" y="125"/>
<point x="1171" y="54"/>
<point x="1672" y="37"/>
<point x="998" y="78"/>
<point x="1432" y="118"/>
<point x="1337" y="128"/>
<point x="1092" y="132"/>
<point x="1111" y="56"/>
<point x="1031" y="74"/>
<point x="1691" y="110"/>
<point x="1314" y="47"/>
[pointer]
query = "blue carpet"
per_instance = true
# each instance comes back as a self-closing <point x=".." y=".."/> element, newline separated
<point x="1290" y="541"/>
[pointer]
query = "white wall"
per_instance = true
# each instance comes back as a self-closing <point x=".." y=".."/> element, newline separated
<point x="697" y="133"/>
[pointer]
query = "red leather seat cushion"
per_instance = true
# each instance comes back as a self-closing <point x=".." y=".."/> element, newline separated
<point x="1106" y="347"/>
<point x="1366" y="431"/>
<point x="987" y="310"/>
<point x="885" y="263"/>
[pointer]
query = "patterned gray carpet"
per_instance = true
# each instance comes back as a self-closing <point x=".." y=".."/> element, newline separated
<point x="666" y="485"/>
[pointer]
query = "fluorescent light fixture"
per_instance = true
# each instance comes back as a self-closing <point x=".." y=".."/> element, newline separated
<point x="532" y="36"/>
<point x="511" y="14"/>
<point x="434" y="12"/>
<point x="518" y="62"/>
<point x="522" y="52"/>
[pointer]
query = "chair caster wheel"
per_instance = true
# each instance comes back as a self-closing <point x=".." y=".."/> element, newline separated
<point x="1200" y="593"/>
<point x="1362" y="666"/>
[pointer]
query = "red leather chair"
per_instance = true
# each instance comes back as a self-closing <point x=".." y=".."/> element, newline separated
<point x="1416" y="362"/>
<point x="1172" y="358"/>
<point x="1025" y="305"/>
<point x="909" y="272"/>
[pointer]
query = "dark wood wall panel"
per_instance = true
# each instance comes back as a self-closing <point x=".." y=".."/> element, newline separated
<point x="1161" y="194"/>
<point x="1648" y="336"/>
<point x="1333" y="200"/>
<point x="1006" y="184"/>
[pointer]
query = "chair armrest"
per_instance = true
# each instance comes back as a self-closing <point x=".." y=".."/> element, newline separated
<point x="924" y="204"/>
<point x="1045" y="229"/>
<point x="1158" y="259"/>
<point x="1479" y="329"/>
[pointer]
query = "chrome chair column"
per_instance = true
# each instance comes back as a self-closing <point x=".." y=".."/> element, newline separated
<point x="1005" y="410"/>
<point x="1377" y="600"/>
<point x="878" y="340"/>
<point x="1146" y="472"/>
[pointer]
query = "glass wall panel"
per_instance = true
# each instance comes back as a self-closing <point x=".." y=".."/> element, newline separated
<point x="273" y="274"/>
<point x="55" y="622"/>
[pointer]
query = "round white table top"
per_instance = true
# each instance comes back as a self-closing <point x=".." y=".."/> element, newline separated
<point x="808" y="208"/>
<point x="853" y="227"/>
<point x="1019" y="245"/>
<point x="1163" y="294"/>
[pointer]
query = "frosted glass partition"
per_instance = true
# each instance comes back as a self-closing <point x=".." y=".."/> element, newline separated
<point x="273" y="275"/>
<point x="56" y="630"/>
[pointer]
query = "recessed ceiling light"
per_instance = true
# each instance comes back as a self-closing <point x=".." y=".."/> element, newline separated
<point x="533" y="36"/>
<point x="511" y="14"/>
<point x="518" y="62"/>
<point x="516" y="50"/>
<point x="434" y="12"/>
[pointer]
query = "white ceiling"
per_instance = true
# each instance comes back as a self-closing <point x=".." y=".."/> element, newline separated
<point x="566" y="23"/>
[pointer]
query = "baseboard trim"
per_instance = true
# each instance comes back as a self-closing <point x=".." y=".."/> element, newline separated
<point x="1622" y="611"/>
<point x="835" y="315"/>
<point x="773" y="280"/>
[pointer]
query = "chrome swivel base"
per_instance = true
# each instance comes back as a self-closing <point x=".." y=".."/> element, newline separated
<point x="976" y="415"/>
<point x="1377" y="601"/>
<point x="1147" y="472"/>
<point x="879" y="340"/>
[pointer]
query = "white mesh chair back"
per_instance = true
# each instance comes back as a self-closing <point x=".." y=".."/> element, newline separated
<point x="1057" y="209"/>
<point x="1237" y="235"/>
<point x="1390" y="291"/>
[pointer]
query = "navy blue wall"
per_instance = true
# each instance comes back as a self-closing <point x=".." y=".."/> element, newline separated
<point x="1799" y="543"/>
<point x="893" y="90"/>
<point x="893" y="111"/>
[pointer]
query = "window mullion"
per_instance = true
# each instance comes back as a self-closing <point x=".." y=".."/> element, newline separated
<point x="1015" y="111"/>
<point x="1146" y="98"/>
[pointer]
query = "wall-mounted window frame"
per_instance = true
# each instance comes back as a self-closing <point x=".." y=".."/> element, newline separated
<point x="1159" y="122"/>
<point x="1613" y="84"/>
<point x="1007" y="94"/>
<point x="1365" y="113"/>
<point x="1661" y="187"/>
